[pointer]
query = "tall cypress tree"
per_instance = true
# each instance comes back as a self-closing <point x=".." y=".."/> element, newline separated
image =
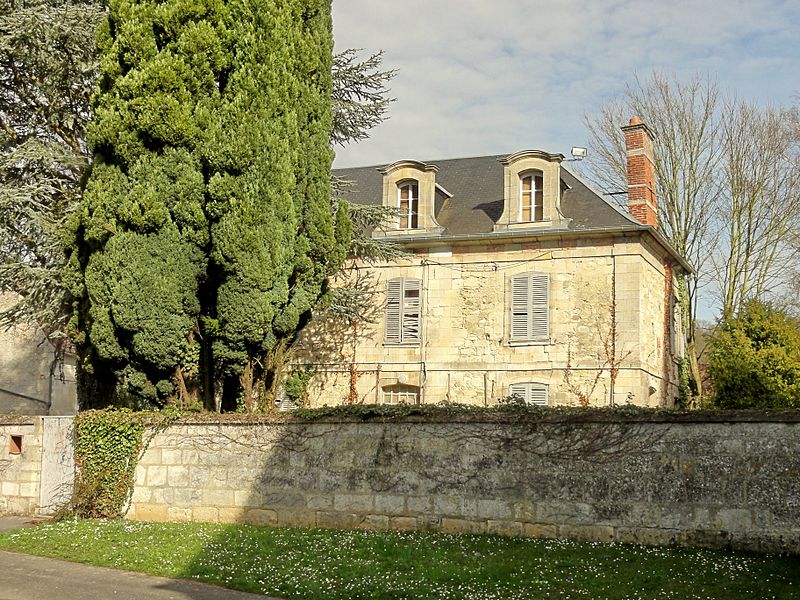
<point x="205" y="233"/>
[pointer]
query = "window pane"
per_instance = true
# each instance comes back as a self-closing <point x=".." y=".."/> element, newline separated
<point x="526" y="206"/>
<point x="401" y="394"/>
<point x="539" y="212"/>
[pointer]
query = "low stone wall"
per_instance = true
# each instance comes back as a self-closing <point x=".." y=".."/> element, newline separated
<point x="20" y="472"/>
<point x="698" y="480"/>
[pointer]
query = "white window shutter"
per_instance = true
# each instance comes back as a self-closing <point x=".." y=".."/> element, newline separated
<point x="531" y="393"/>
<point x="518" y="390"/>
<point x="537" y="394"/>
<point x="394" y="291"/>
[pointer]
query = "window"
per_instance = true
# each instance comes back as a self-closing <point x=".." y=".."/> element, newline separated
<point x="403" y="301"/>
<point x="531" y="197"/>
<point x="401" y="394"/>
<point x="530" y="393"/>
<point x="408" y="203"/>
<point x="530" y="307"/>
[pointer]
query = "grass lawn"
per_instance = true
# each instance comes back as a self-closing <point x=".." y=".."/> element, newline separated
<point x="317" y="563"/>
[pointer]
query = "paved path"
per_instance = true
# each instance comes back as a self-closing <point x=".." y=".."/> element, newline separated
<point x="35" y="578"/>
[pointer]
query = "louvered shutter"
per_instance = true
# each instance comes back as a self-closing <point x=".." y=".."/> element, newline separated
<point x="538" y="394"/>
<point x="394" y="293"/>
<point x="539" y="306"/>
<point x="411" y="306"/>
<point x="519" y="307"/>
<point x="518" y="390"/>
<point x="530" y="393"/>
<point x="530" y="307"/>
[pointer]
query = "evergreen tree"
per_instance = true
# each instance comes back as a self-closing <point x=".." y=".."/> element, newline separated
<point x="755" y="359"/>
<point x="47" y="72"/>
<point x="205" y="232"/>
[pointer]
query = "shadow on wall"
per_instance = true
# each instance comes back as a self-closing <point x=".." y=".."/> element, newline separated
<point x="644" y="482"/>
<point x="32" y="381"/>
<point x="328" y="343"/>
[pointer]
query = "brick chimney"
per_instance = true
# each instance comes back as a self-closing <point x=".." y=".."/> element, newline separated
<point x="641" y="172"/>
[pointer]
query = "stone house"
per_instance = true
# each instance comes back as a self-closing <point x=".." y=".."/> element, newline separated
<point x="519" y="280"/>
<point x="33" y="381"/>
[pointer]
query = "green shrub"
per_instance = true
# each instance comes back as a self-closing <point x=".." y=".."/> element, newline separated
<point x="755" y="359"/>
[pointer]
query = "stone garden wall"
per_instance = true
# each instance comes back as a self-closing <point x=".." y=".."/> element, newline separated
<point x="657" y="479"/>
<point x="20" y="465"/>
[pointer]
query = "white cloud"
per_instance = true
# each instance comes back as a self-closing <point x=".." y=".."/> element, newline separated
<point x="479" y="77"/>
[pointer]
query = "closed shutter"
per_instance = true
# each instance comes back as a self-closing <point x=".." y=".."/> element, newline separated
<point x="530" y="307"/>
<point x="519" y="307"/>
<point x="538" y="394"/>
<point x="403" y="303"/>
<point x="394" y="291"/>
<point x="518" y="390"/>
<point x="531" y="393"/>
<point x="540" y="306"/>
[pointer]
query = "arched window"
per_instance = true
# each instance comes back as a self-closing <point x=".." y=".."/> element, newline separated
<point x="400" y="394"/>
<point x="531" y="197"/>
<point x="408" y="204"/>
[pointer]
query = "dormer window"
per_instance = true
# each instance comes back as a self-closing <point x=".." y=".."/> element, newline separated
<point x="532" y="191"/>
<point x="409" y="187"/>
<point x="531" y="197"/>
<point x="408" y="204"/>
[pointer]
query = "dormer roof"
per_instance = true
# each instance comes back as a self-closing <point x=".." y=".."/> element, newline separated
<point x="475" y="186"/>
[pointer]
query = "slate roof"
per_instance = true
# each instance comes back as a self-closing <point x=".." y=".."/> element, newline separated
<point x="476" y="185"/>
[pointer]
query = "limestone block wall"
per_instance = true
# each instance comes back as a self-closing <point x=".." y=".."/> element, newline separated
<point x="691" y="479"/>
<point x="465" y="354"/>
<point x="20" y="473"/>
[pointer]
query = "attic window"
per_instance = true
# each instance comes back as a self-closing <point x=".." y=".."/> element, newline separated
<point x="408" y="204"/>
<point x="531" y="197"/>
<point x="15" y="444"/>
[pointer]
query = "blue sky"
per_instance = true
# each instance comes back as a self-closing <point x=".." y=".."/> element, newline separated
<point x="479" y="77"/>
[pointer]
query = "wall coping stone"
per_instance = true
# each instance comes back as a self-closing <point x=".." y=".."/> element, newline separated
<point x="435" y="414"/>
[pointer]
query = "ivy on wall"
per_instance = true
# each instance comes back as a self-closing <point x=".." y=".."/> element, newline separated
<point x="108" y="444"/>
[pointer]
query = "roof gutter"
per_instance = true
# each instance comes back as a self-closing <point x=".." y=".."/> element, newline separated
<point x="415" y="241"/>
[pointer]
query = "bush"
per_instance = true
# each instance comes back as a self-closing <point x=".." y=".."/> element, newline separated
<point x="755" y="359"/>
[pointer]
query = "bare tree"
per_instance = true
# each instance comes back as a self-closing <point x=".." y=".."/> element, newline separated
<point x="759" y="215"/>
<point x="728" y="188"/>
<point x="687" y="158"/>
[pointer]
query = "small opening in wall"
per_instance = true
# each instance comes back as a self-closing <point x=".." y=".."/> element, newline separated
<point x="15" y="445"/>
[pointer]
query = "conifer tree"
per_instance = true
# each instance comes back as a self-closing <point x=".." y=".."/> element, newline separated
<point x="205" y="233"/>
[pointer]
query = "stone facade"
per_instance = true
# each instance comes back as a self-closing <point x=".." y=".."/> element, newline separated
<point x="32" y="382"/>
<point x="610" y="305"/>
<point x="654" y="480"/>
<point x="20" y="472"/>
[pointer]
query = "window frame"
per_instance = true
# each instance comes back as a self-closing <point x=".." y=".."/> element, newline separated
<point x="400" y="391"/>
<point x="403" y="312"/>
<point x="412" y="212"/>
<point x="529" y="308"/>
<point x="535" y="194"/>
<point x="531" y="389"/>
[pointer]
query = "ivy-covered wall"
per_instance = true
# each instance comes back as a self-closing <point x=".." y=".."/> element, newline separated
<point x="656" y="479"/>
